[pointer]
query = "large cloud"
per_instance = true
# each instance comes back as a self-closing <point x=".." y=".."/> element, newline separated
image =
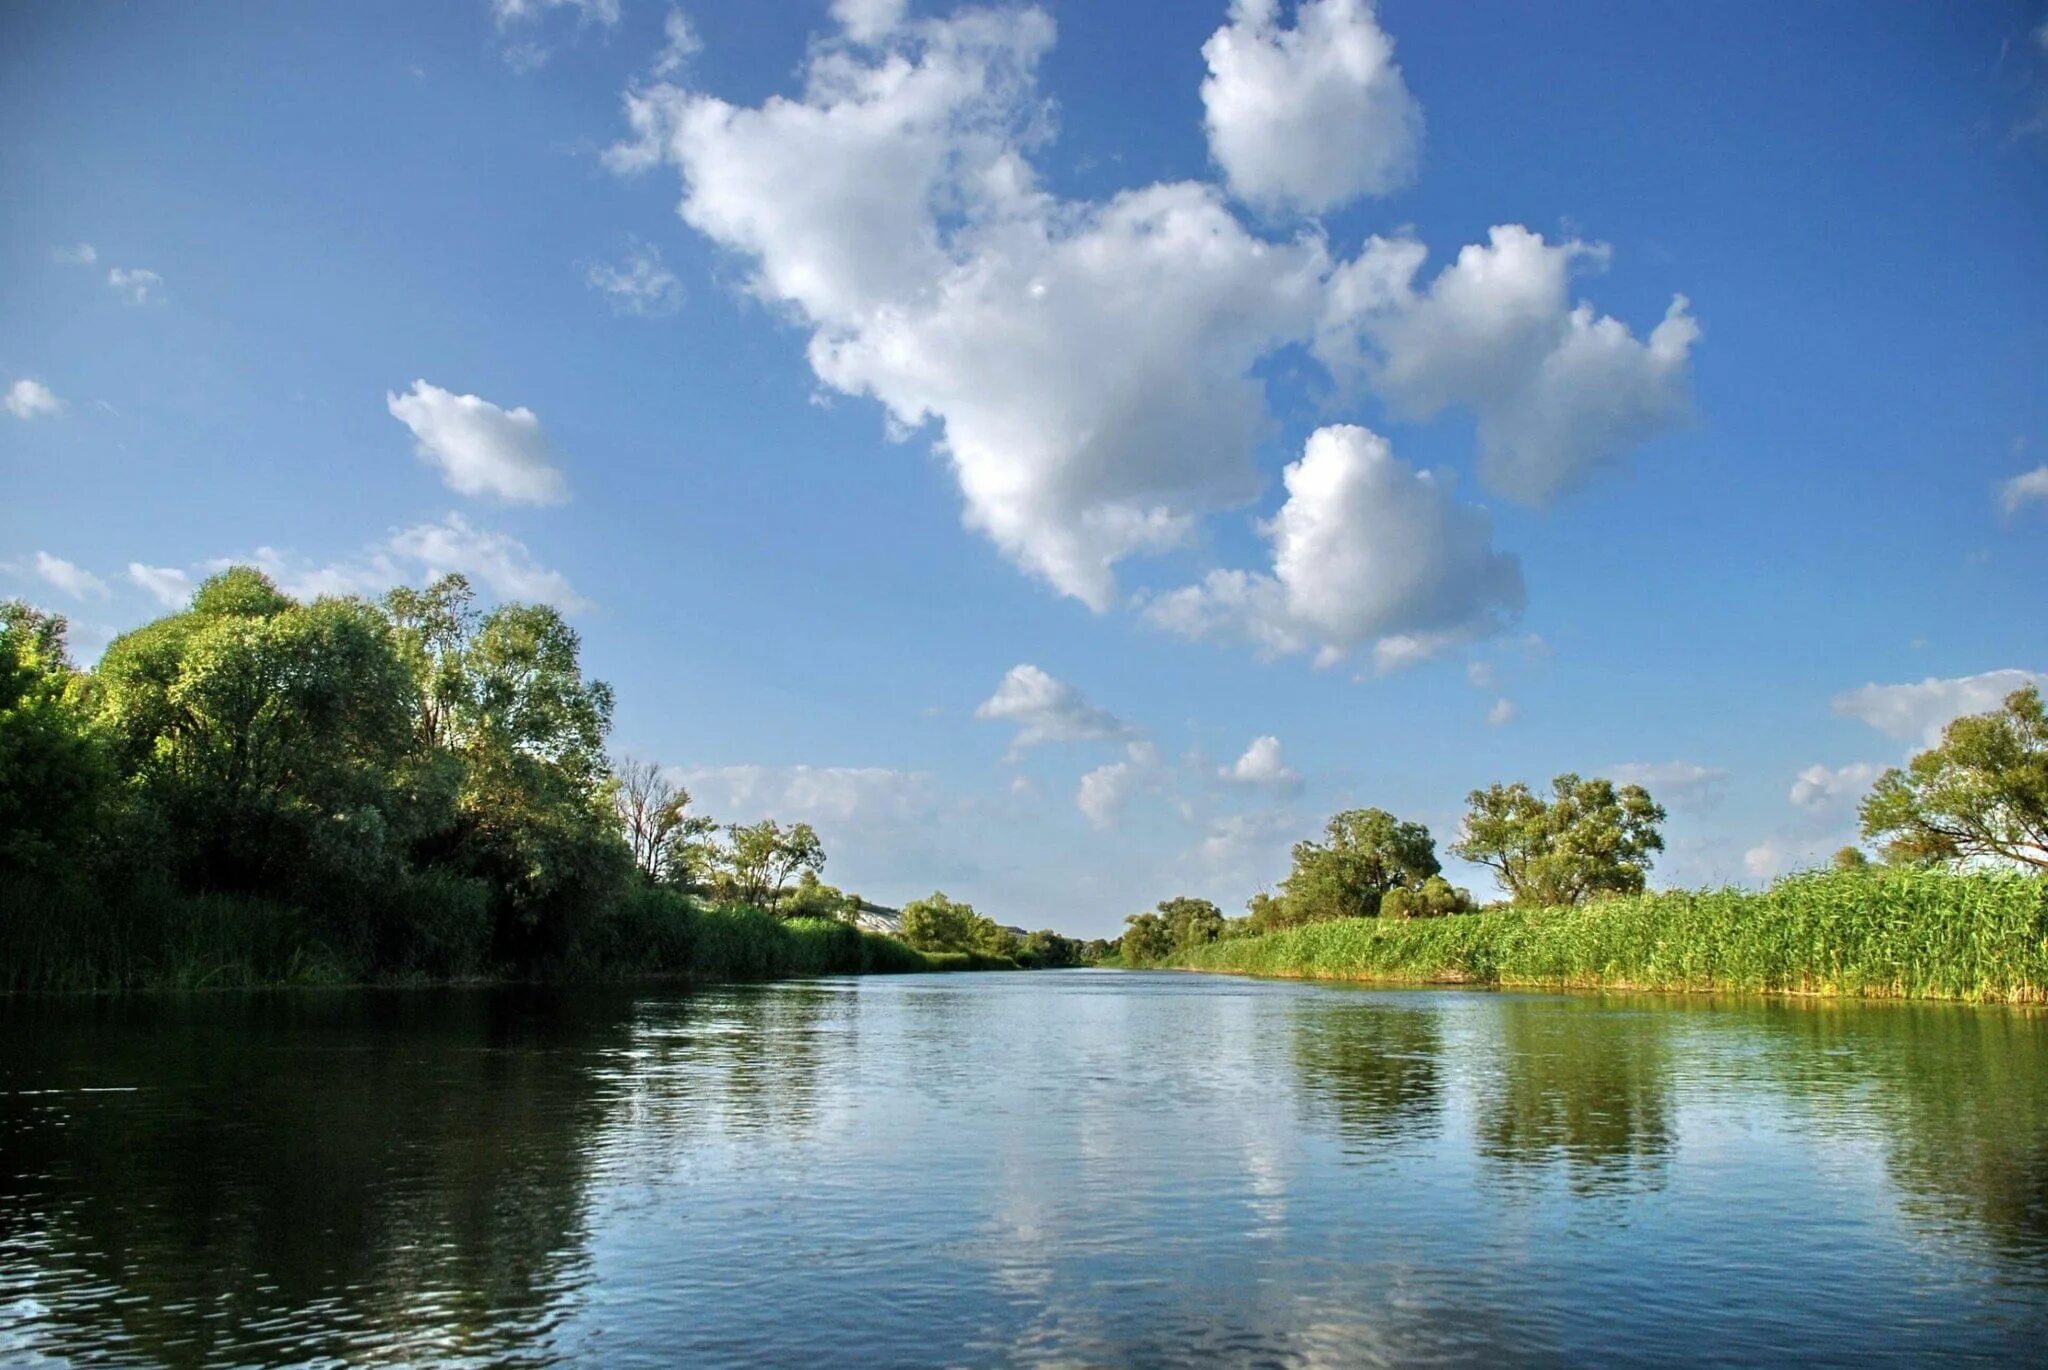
<point x="1309" y="117"/>
<point x="1090" y="367"/>
<point x="1918" y="712"/>
<point x="1365" y="549"/>
<point x="1087" y="365"/>
<point x="1557" y="389"/>
<point x="480" y="448"/>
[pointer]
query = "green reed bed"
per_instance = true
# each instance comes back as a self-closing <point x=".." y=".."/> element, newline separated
<point x="1892" y="933"/>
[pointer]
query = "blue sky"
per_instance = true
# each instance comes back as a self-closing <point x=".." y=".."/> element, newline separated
<point x="973" y="431"/>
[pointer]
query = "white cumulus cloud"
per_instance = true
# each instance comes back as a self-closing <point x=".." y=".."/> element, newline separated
<point x="1678" y="785"/>
<point x="31" y="399"/>
<point x="1918" y="712"/>
<point x="498" y="562"/>
<point x="64" y="576"/>
<point x="2029" y="487"/>
<point x="1262" y="765"/>
<point x="1365" y="547"/>
<point x="1557" y="389"/>
<point x="867" y="20"/>
<point x="1087" y="365"/>
<point x="1046" y="709"/>
<point x="1830" y="787"/>
<point x="1105" y="791"/>
<point x="1311" y="116"/>
<point x="75" y="254"/>
<point x="1503" y="712"/>
<point x="171" y="586"/>
<point x="480" y="448"/>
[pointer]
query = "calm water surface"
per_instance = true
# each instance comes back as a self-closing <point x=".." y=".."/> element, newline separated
<point x="1080" y="1167"/>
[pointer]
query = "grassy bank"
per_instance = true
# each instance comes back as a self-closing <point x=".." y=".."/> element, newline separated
<point x="1892" y="933"/>
<point x="61" y="938"/>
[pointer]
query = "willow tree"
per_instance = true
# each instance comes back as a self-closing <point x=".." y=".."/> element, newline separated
<point x="1589" y="838"/>
<point x="1982" y="793"/>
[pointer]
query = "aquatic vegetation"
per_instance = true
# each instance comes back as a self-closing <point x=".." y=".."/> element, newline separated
<point x="1882" y="932"/>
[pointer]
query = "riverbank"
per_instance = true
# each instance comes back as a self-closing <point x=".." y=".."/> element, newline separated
<point x="1976" y="937"/>
<point x="85" y="939"/>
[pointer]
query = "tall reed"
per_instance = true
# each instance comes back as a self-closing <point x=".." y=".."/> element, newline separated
<point x="1980" y="936"/>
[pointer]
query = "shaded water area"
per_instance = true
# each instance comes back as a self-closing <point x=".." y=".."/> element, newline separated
<point x="1077" y="1167"/>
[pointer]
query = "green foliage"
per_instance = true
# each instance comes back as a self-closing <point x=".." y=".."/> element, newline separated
<point x="1849" y="859"/>
<point x="1982" y="794"/>
<point x="1147" y="940"/>
<point x="1047" y="950"/>
<point x="255" y="790"/>
<point x="1435" y="897"/>
<point x="758" y="860"/>
<point x="54" y="776"/>
<point x="265" y="740"/>
<point x="939" y="924"/>
<point x="1589" y="839"/>
<point x="1883" y="932"/>
<point x="1366" y="854"/>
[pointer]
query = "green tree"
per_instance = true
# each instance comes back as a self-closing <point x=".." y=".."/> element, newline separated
<point x="1190" y="922"/>
<point x="1365" y="854"/>
<point x="1982" y="793"/>
<point x="505" y="719"/>
<point x="1850" y="859"/>
<point x="53" y="774"/>
<point x="266" y="736"/>
<point x="666" y="839"/>
<point x="1435" y="897"/>
<point x="759" y="858"/>
<point x="1589" y="839"/>
<point x="937" y="923"/>
<point x="1146" y="940"/>
<point x="1047" y="950"/>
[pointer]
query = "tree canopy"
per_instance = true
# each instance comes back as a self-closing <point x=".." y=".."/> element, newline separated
<point x="1590" y="838"/>
<point x="1980" y="794"/>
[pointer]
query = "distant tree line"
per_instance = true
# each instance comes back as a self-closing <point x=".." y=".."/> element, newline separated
<point x="1978" y="797"/>
<point x="341" y="788"/>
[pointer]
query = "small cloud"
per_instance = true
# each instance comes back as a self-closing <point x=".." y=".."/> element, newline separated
<point x="640" y="284"/>
<point x="64" y="576"/>
<point x="2030" y="487"/>
<point x="1484" y="675"/>
<point x="1918" y="712"/>
<point x="1820" y="788"/>
<point x="171" y="586"/>
<point x="1105" y="791"/>
<point x="136" y="286"/>
<point x="30" y="399"/>
<point x="1263" y="766"/>
<point x="682" y="44"/>
<point x="1679" y="784"/>
<point x="480" y="448"/>
<point x="1503" y="712"/>
<point x="75" y="254"/>
<point x="1046" y="709"/>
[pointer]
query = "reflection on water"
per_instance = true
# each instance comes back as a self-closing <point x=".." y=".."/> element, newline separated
<point x="1582" y="1087"/>
<point x="1077" y="1167"/>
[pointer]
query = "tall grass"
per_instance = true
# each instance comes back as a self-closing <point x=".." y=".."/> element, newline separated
<point x="1893" y="933"/>
<point x="79" y="936"/>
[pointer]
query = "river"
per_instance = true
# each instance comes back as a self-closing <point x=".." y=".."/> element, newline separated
<point x="1060" y="1167"/>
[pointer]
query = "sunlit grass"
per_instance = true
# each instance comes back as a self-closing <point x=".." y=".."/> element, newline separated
<point x="1897" y="933"/>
